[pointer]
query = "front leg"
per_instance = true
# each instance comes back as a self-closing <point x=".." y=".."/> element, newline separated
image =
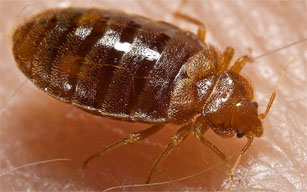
<point x="200" y="127"/>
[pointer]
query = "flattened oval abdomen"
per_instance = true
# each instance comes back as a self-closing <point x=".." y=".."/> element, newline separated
<point x="105" y="62"/>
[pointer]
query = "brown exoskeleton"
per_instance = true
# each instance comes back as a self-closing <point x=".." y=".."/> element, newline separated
<point x="136" y="69"/>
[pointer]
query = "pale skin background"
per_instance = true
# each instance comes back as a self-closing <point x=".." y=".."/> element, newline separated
<point x="36" y="127"/>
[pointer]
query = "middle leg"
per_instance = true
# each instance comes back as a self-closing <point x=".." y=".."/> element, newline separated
<point x="226" y="58"/>
<point x="240" y="63"/>
<point x="180" y="136"/>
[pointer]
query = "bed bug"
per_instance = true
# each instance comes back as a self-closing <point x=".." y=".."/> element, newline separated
<point x="131" y="68"/>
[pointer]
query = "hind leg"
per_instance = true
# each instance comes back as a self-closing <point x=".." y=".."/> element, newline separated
<point x="133" y="137"/>
<point x="201" y="32"/>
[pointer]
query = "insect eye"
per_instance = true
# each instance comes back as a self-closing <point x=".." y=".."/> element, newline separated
<point x="239" y="133"/>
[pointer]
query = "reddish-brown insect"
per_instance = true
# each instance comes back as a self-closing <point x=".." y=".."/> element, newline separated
<point x="135" y="69"/>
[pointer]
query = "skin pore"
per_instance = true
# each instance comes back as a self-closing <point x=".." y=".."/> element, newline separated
<point x="36" y="127"/>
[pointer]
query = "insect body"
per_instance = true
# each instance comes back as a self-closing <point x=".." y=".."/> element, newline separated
<point x="91" y="58"/>
<point x="135" y="69"/>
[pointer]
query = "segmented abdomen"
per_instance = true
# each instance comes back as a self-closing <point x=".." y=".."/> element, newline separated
<point x="106" y="62"/>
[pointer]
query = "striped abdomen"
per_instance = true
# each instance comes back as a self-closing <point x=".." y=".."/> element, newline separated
<point x="105" y="62"/>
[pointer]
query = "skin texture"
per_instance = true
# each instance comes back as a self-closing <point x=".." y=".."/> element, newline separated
<point x="36" y="127"/>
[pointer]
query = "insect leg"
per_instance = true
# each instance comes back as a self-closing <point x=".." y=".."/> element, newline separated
<point x="200" y="127"/>
<point x="211" y="146"/>
<point x="180" y="136"/>
<point x="243" y="151"/>
<point x="201" y="32"/>
<point x="240" y="63"/>
<point x="133" y="137"/>
<point x="226" y="58"/>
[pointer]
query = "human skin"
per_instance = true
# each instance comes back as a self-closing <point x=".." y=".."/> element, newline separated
<point x="36" y="127"/>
